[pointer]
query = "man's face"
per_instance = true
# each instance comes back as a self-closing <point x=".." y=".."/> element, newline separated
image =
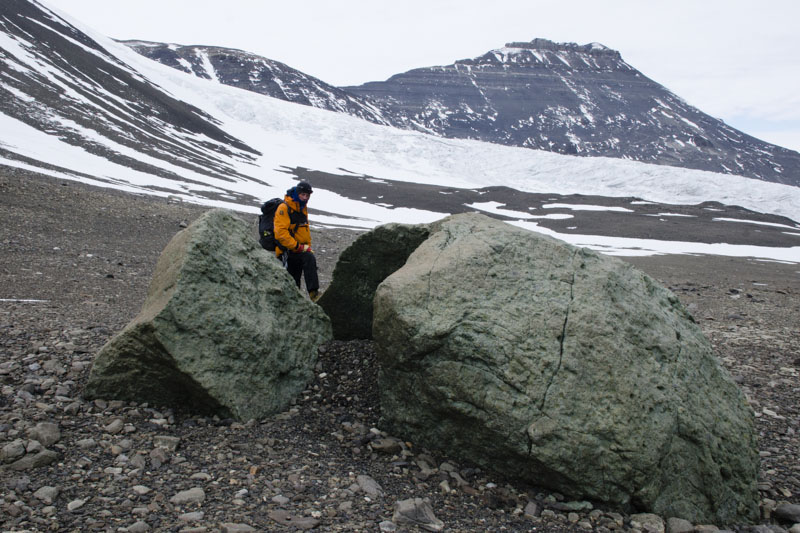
<point x="304" y="196"/>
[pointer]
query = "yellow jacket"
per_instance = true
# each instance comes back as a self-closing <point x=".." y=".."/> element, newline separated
<point x="291" y="225"/>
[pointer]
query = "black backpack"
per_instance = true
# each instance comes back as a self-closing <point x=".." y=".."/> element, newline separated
<point x="266" y="223"/>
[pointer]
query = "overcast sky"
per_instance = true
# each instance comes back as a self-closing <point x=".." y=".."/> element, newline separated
<point x="734" y="59"/>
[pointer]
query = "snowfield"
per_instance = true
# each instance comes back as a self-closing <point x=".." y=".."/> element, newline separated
<point x="291" y="135"/>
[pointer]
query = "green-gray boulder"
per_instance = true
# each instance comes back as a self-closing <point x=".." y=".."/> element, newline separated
<point x="359" y="271"/>
<point x="223" y="329"/>
<point x="563" y="367"/>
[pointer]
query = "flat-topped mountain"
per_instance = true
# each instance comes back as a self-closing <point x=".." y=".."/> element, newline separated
<point x="583" y="100"/>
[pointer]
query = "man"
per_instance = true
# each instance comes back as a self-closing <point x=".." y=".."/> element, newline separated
<point x="293" y="236"/>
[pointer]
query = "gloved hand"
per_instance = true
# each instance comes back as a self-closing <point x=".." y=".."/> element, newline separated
<point x="303" y="248"/>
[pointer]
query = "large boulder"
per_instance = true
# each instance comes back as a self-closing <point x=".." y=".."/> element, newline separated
<point x="223" y="329"/>
<point x="563" y="367"/>
<point x="359" y="271"/>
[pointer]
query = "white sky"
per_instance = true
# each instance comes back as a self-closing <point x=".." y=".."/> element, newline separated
<point x="734" y="59"/>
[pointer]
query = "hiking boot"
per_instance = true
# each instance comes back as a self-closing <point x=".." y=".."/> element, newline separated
<point x="314" y="295"/>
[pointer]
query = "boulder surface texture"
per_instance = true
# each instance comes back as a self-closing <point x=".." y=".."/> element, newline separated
<point x="359" y="271"/>
<point x="223" y="329"/>
<point x="565" y="368"/>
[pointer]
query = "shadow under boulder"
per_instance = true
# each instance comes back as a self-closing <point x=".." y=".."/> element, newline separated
<point x="223" y="330"/>
<point x="360" y="269"/>
<point x="562" y="367"/>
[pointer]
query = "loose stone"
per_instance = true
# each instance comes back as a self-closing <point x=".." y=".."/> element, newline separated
<point x="193" y="495"/>
<point x="416" y="512"/>
<point x="86" y="444"/>
<point x="74" y="505"/>
<point x="139" y="527"/>
<point x="138" y="461"/>
<point x="653" y="523"/>
<point x="167" y="442"/>
<point x="387" y="446"/>
<point x="12" y="451"/>
<point x="116" y="426"/>
<point x="191" y="517"/>
<point x="531" y="510"/>
<point x="46" y="494"/>
<point x="679" y="525"/>
<point x="788" y="512"/>
<point x="46" y="433"/>
<point x="34" y="460"/>
<point x="370" y="486"/>
<point x="141" y="490"/>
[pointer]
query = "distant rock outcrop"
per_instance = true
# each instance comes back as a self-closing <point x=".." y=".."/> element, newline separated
<point x="563" y="367"/>
<point x="223" y="329"/>
<point x="359" y="271"/>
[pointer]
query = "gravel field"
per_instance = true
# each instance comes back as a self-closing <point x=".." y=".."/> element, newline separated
<point x="76" y="263"/>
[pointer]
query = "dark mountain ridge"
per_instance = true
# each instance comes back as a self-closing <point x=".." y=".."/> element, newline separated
<point x="244" y="70"/>
<point x="562" y="97"/>
<point x="581" y="100"/>
<point x="59" y="80"/>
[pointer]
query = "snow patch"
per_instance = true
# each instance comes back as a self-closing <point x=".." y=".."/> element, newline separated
<point x="587" y="207"/>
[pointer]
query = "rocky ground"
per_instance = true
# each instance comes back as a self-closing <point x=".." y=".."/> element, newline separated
<point x="76" y="263"/>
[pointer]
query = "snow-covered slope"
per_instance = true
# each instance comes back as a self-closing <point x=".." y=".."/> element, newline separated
<point x="244" y="70"/>
<point x="80" y="106"/>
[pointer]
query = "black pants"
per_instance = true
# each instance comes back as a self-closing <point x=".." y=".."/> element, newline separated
<point x="305" y="264"/>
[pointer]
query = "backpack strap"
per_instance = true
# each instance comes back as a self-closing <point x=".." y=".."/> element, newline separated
<point x="296" y="217"/>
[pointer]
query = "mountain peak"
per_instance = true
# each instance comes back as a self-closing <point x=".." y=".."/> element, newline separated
<point x="545" y="44"/>
<point x="572" y="99"/>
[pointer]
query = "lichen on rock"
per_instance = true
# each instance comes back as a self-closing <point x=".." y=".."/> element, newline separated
<point x="223" y="329"/>
<point x="562" y="367"/>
